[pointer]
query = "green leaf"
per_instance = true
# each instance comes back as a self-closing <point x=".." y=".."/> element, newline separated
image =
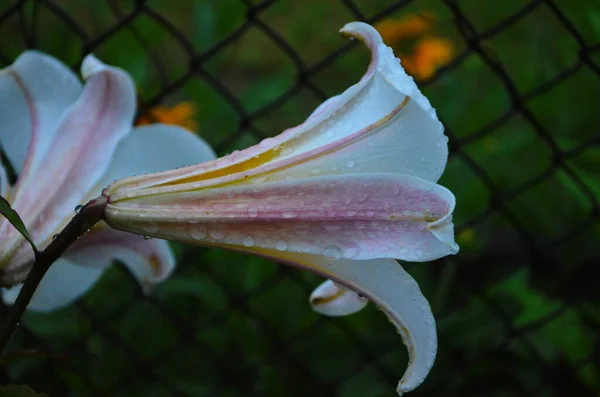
<point x="15" y="220"/>
<point x="19" y="391"/>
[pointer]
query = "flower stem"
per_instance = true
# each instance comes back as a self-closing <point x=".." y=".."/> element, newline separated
<point x="83" y="221"/>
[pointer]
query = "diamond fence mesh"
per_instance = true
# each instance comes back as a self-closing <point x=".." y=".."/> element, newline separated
<point x="517" y="308"/>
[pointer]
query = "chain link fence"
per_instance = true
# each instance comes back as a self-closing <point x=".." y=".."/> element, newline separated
<point x="517" y="308"/>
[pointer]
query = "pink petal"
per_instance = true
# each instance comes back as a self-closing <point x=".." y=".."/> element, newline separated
<point x="79" y="154"/>
<point x="382" y="124"/>
<point x="355" y="216"/>
<point x="150" y="261"/>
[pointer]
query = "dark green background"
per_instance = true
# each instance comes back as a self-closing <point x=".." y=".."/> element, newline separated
<point x="517" y="309"/>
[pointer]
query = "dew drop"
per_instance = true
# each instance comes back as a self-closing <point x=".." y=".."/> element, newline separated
<point x="248" y="241"/>
<point x="288" y="214"/>
<point x="287" y="150"/>
<point x="217" y="232"/>
<point x="54" y="237"/>
<point x="150" y="227"/>
<point x="351" y="213"/>
<point x="332" y="252"/>
<point x="147" y="237"/>
<point x="198" y="232"/>
<point x="78" y="208"/>
<point x="350" y="163"/>
<point x="252" y="212"/>
<point x="316" y="171"/>
<point x="281" y="245"/>
<point x="418" y="253"/>
<point x="362" y="298"/>
<point x="351" y="252"/>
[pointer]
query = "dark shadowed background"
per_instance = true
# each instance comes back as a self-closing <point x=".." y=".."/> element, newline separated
<point x="517" y="85"/>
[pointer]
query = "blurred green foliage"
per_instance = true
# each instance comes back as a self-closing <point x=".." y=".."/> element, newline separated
<point x="517" y="309"/>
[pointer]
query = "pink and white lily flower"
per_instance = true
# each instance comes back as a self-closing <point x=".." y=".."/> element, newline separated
<point x="342" y="195"/>
<point x="67" y="141"/>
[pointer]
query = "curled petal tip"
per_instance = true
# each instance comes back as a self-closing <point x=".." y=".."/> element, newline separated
<point x="91" y="65"/>
<point x="331" y="299"/>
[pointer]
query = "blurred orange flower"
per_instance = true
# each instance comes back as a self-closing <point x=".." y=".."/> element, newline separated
<point x="410" y="26"/>
<point x="181" y="114"/>
<point x="429" y="53"/>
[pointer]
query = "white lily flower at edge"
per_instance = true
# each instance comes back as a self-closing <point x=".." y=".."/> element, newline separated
<point x="66" y="141"/>
<point x="342" y="195"/>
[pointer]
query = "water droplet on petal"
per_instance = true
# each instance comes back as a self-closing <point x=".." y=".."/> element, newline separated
<point x="252" y="212"/>
<point x="198" y="232"/>
<point x="316" y="171"/>
<point x="150" y="227"/>
<point x="281" y="245"/>
<point x="287" y="150"/>
<point x="350" y="163"/>
<point x="147" y="237"/>
<point x="248" y="241"/>
<point x="288" y="214"/>
<point x="217" y="231"/>
<point x="332" y="252"/>
<point x="54" y="237"/>
<point x="78" y="208"/>
<point x="362" y="298"/>
<point x="351" y="252"/>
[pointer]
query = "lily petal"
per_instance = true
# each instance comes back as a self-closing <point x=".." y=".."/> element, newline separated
<point x="4" y="183"/>
<point x="382" y="124"/>
<point x="154" y="148"/>
<point x="354" y="216"/>
<point x="64" y="283"/>
<point x="78" y="155"/>
<point x="385" y="283"/>
<point x="334" y="300"/>
<point x="34" y="92"/>
<point x="150" y="261"/>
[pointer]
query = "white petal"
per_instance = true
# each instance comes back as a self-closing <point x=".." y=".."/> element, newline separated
<point x="4" y="183"/>
<point x="77" y="157"/>
<point x="386" y="284"/>
<point x="34" y="93"/>
<point x="382" y="124"/>
<point x="64" y="283"/>
<point x="150" y="261"/>
<point x="154" y="148"/>
<point x="333" y="300"/>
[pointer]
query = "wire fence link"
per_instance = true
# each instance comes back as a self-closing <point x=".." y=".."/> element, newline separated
<point x="517" y="309"/>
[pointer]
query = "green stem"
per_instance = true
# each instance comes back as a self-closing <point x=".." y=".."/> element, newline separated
<point x="87" y="217"/>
